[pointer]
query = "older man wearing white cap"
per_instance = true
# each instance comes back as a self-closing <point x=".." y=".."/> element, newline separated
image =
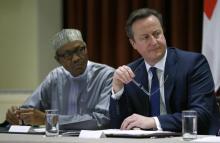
<point x="79" y="89"/>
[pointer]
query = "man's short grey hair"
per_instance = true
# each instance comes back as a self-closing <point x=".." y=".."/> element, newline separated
<point x="65" y="36"/>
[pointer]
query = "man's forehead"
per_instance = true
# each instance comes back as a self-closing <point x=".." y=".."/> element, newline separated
<point x="146" y="25"/>
<point x="72" y="45"/>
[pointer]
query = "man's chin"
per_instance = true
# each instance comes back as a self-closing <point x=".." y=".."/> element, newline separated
<point x="77" y="72"/>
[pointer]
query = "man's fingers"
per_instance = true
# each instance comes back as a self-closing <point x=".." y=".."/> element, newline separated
<point x="129" y="120"/>
<point x="11" y="117"/>
<point x="33" y="117"/>
<point x="121" y="75"/>
<point x="26" y="117"/>
<point x="26" y="110"/>
<point x="132" y="125"/>
<point x="129" y="71"/>
<point x="124" y="74"/>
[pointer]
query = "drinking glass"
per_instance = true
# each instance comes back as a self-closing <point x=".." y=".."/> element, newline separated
<point x="189" y="125"/>
<point x="52" y="123"/>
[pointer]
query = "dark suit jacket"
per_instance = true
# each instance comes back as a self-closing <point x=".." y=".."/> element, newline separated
<point x="189" y="85"/>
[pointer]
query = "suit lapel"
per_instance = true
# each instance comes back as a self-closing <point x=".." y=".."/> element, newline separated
<point x="169" y="75"/>
<point x="141" y="76"/>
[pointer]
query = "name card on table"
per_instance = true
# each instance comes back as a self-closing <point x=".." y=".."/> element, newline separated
<point x="19" y="129"/>
<point x="91" y="134"/>
<point x="207" y="139"/>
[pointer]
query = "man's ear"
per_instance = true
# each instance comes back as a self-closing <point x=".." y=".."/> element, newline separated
<point x="132" y="42"/>
<point x="86" y="51"/>
<point x="57" y="59"/>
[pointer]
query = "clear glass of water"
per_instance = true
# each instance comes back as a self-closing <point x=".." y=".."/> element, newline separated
<point x="52" y="123"/>
<point x="189" y="125"/>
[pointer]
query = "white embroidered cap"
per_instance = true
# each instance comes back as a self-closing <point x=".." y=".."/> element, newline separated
<point x="66" y="36"/>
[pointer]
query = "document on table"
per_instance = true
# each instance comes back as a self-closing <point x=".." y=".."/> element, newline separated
<point x="209" y="139"/>
<point x="136" y="133"/>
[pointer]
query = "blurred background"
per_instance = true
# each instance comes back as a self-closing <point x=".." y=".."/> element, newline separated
<point x="27" y="26"/>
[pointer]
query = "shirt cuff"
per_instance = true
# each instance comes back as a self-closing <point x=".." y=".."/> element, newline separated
<point x="157" y="124"/>
<point x="117" y="95"/>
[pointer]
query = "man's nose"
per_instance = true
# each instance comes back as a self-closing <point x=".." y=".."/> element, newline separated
<point x="75" y="57"/>
<point x="153" y="40"/>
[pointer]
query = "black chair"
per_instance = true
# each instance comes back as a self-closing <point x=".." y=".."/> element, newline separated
<point x="4" y="127"/>
<point x="4" y="124"/>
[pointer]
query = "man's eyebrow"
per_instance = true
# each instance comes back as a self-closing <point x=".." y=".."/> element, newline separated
<point x="145" y="34"/>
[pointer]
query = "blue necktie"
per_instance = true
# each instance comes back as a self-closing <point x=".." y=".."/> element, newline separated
<point x="155" y="93"/>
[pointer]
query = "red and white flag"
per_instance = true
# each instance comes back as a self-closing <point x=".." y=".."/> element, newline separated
<point x="211" y="38"/>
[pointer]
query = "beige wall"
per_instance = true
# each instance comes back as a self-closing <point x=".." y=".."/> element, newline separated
<point x="26" y="56"/>
<point x="49" y="23"/>
<point x="26" y="27"/>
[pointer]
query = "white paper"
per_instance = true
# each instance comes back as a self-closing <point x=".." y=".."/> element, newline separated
<point x="118" y="132"/>
<point x="19" y="129"/>
<point x="38" y="130"/>
<point x="210" y="139"/>
<point x="91" y="134"/>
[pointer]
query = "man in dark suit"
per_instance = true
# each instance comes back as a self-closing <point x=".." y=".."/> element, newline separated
<point x="185" y="82"/>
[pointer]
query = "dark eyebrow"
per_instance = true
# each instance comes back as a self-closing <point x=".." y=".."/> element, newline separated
<point x="144" y="34"/>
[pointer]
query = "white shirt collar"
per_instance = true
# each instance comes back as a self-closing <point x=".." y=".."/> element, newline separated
<point x="159" y="65"/>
